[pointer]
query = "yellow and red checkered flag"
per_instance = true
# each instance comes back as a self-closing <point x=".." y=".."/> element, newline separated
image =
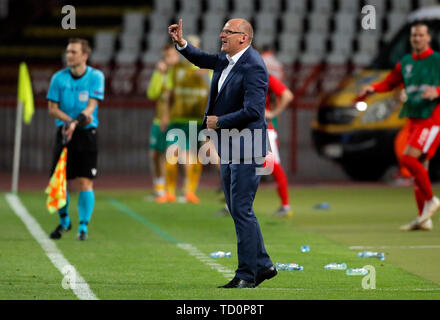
<point x="57" y="188"/>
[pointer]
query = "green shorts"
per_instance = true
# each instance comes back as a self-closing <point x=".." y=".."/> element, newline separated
<point x="157" y="138"/>
<point x="183" y="138"/>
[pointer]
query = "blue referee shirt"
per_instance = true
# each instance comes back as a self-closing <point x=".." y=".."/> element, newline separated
<point x="73" y="94"/>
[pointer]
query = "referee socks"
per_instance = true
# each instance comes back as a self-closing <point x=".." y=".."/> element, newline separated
<point x="86" y="203"/>
<point x="64" y="213"/>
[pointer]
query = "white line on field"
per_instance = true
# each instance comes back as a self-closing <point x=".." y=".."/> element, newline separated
<point x="72" y="277"/>
<point x="395" y="247"/>
<point x="227" y="273"/>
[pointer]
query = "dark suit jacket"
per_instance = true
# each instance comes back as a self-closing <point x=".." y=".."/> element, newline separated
<point x="241" y="101"/>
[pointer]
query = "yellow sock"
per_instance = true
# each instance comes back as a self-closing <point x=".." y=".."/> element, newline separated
<point x="171" y="172"/>
<point x="193" y="176"/>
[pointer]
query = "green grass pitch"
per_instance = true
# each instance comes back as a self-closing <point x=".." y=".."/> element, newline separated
<point x="133" y="249"/>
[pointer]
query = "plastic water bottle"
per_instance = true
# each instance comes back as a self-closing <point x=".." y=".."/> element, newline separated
<point x="305" y="249"/>
<point x="357" y="272"/>
<point x="221" y="254"/>
<point x="371" y="254"/>
<point x="336" y="266"/>
<point x="322" y="206"/>
<point x="288" y="266"/>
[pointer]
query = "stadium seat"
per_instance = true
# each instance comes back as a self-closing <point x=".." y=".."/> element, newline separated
<point x="156" y="41"/>
<point x="126" y="57"/>
<point x="427" y="3"/>
<point x="130" y="47"/>
<point x="368" y="43"/>
<point x="265" y="22"/>
<point x="243" y="6"/>
<point x="289" y="43"/>
<point x="164" y="7"/>
<point x="133" y="22"/>
<point x="287" y="58"/>
<point x="319" y="22"/>
<point x="316" y="45"/>
<point x="103" y="47"/>
<point x="296" y="6"/>
<point x="396" y="20"/>
<point x="213" y="22"/>
<point x="215" y="6"/>
<point x="289" y="47"/>
<point x="345" y="24"/>
<point x="341" y="49"/>
<point x="273" y="6"/>
<point x="4" y="9"/>
<point x="190" y="22"/>
<point x="150" y="57"/>
<point x="292" y="22"/>
<point x="323" y="6"/>
<point x="401" y="5"/>
<point x="190" y="6"/>
<point x="379" y="5"/>
<point x="130" y="41"/>
<point x="159" y="22"/>
<point x="210" y="42"/>
<point x="104" y="41"/>
<point x="349" y="6"/>
<point x="262" y="39"/>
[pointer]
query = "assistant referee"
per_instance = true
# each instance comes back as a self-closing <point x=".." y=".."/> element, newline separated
<point x="73" y="98"/>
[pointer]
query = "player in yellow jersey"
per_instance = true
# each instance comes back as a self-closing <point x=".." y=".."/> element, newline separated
<point x="188" y="88"/>
<point x="157" y="91"/>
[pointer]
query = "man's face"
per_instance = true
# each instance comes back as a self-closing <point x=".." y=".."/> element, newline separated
<point x="232" y="38"/>
<point x="420" y="38"/>
<point x="74" y="55"/>
<point x="170" y="56"/>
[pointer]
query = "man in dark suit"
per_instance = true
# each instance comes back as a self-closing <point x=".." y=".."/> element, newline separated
<point x="236" y="101"/>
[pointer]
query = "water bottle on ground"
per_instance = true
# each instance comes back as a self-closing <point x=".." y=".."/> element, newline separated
<point x="305" y="249"/>
<point x="288" y="266"/>
<point x="357" y="272"/>
<point x="220" y="254"/>
<point x="371" y="254"/>
<point x="336" y="266"/>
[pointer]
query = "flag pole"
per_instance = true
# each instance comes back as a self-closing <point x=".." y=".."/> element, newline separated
<point x="17" y="146"/>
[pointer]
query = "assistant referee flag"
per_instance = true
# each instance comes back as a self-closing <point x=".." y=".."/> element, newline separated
<point x="25" y="94"/>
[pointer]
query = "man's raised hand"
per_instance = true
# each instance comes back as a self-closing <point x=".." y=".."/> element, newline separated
<point x="176" y="33"/>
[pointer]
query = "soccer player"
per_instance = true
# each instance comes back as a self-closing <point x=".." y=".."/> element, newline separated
<point x="157" y="91"/>
<point x="188" y="96"/>
<point x="283" y="96"/>
<point x="420" y="74"/>
<point x="73" y="97"/>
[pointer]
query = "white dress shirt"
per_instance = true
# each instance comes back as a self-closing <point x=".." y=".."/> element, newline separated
<point x="232" y="60"/>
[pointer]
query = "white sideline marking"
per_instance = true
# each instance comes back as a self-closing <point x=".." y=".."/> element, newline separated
<point x="227" y="273"/>
<point x="79" y="286"/>
<point x="395" y="247"/>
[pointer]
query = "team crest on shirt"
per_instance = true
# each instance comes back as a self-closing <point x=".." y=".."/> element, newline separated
<point x="408" y="70"/>
<point x="83" y="96"/>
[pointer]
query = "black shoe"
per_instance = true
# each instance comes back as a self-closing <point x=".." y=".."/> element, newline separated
<point x="238" y="283"/>
<point x="59" y="230"/>
<point x="265" y="274"/>
<point x="82" y="236"/>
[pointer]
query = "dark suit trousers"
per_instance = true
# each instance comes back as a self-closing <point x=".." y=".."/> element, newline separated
<point x="240" y="184"/>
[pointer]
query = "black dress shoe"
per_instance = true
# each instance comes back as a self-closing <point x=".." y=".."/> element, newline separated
<point x="265" y="274"/>
<point x="239" y="283"/>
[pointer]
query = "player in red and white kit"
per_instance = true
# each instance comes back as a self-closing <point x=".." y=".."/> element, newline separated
<point x="283" y="97"/>
<point x="420" y="74"/>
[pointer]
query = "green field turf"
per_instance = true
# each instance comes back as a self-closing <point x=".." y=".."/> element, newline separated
<point x="133" y="249"/>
